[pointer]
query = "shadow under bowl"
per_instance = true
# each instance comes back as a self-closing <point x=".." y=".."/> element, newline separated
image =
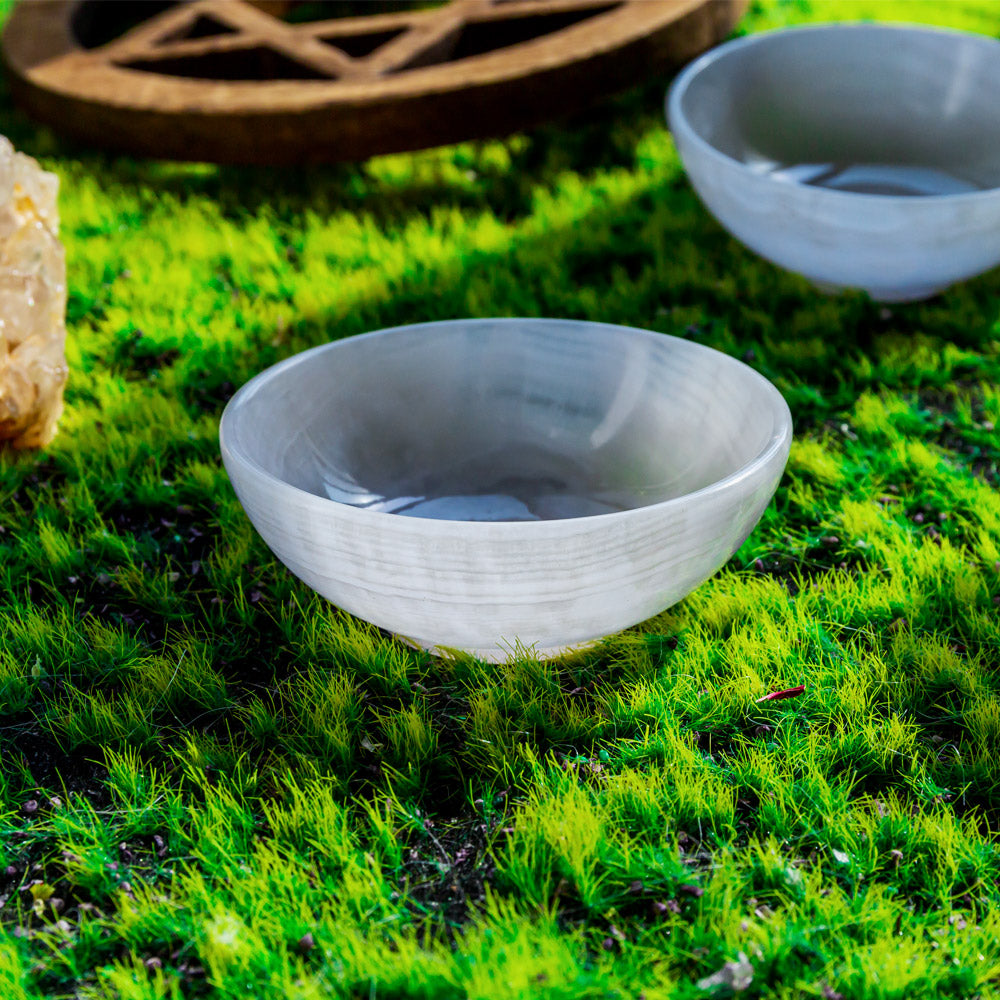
<point x="481" y="484"/>
<point x="859" y="155"/>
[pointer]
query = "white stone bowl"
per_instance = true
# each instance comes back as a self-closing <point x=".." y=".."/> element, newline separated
<point x="479" y="484"/>
<point x="859" y="155"/>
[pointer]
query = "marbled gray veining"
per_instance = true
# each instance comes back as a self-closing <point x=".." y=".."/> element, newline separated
<point x="563" y="480"/>
<point x="858" y="155"/>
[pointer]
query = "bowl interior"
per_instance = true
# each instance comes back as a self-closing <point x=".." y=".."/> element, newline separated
<point x="875" y="109"/>
<point x="504" y="420"/>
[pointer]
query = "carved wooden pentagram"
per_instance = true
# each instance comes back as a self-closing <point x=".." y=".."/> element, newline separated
<point x="233" y="82"/>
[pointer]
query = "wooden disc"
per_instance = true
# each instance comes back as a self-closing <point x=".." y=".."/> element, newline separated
<point x="231" y="81"/>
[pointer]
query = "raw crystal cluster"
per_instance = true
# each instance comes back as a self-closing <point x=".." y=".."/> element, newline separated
<point x="32" y="302"/>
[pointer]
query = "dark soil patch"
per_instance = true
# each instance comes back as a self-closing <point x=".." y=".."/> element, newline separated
<point x="209" y="391"/>
<point x="100" y="597"/>
<point x="178" y="531"/>
<point x="53" y="769"/>
<point x="447" y="869"/>
<point x="140" y="356"/>
<point x="975" y="448"/>
<point x="828" y="553"/>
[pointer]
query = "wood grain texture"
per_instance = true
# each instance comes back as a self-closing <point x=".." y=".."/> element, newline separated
<point x="466" y="69"/>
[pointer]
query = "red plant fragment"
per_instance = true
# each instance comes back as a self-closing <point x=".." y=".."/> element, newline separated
<point x="787" y="693"/>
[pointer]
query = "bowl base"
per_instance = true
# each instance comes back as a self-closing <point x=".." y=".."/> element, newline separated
<point x="502" y="651"/>
<point x="908" y="293"/>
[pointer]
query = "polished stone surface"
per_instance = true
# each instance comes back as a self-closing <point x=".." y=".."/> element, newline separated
<point x="475" y="483"/>
<point x="858" y="155"/>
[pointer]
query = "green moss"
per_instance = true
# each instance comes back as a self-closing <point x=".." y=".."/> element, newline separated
<point x="216" y="784"/>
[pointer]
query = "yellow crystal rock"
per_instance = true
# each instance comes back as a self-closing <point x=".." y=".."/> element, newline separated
<point x="32" y="302"/>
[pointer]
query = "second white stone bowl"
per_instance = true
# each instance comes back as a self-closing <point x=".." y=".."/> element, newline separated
<point x="858" y="155"/>
<point x="476" y="484"/>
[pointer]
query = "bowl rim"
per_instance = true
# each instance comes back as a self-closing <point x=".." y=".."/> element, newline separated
<point x="678" y="123"/>
<point x="779" y="440"/>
